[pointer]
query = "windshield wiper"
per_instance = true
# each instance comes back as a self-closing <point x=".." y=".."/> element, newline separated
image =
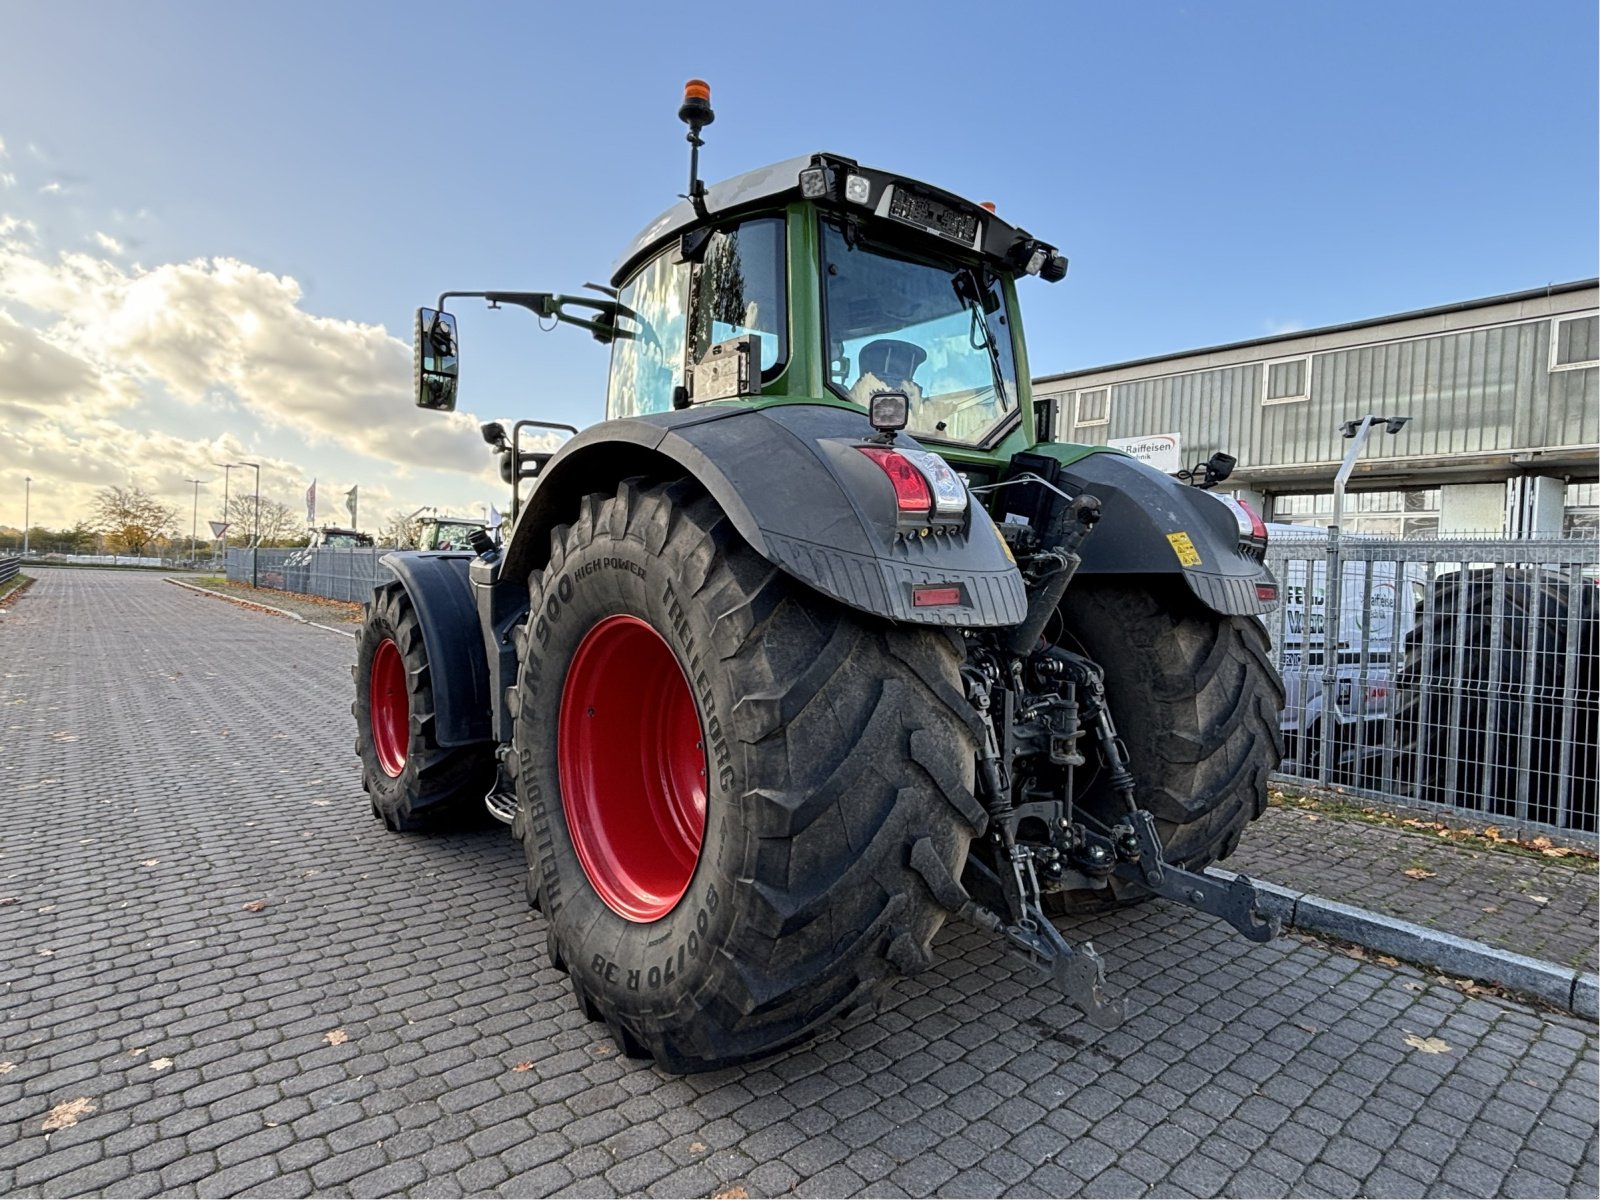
<point x="970" y="291"/>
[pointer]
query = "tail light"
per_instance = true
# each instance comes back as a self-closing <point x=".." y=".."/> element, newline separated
<point x="912" y="493"/>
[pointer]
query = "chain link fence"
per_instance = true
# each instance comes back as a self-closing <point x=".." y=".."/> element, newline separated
<point x="336" y="572"/>
<point x="1456" y="674"/>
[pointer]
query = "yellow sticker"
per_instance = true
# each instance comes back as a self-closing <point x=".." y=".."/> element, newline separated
<point x="1183" y="547"/>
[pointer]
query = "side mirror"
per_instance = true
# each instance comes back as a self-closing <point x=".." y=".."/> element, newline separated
<point x="435" y="364"/>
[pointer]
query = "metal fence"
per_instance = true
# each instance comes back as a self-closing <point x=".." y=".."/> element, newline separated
<point x="339" y="573"/>
<point x="9" y="568"/>
<point x="1453" y="673"/>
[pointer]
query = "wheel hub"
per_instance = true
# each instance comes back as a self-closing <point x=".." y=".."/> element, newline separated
<point x="390" y="708"/>
<point x="632" y="767"/>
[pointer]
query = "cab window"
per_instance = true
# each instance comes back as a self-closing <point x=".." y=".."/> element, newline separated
<point x="647" y="355"/>
<point x="740" y="288"/>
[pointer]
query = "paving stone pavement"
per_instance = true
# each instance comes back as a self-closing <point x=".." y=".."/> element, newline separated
<point x="172" y="760"/>
<point x="1546" y="908"/>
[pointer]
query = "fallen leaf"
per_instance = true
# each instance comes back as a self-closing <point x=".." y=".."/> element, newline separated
<point x="1311" y="816"/>
<point x="1428" y="1045"/>
<point x="1419" y="873"/>
<point x="1411" y="985"/>
<point x="336" y="1037"/>
<point x="734" y="1191"/>
<point x="523" y="1066"/>
<point x="4" y="900"/>
<point x="150" y="862"/>
<point x="1491" y="908"/>
<point x="66" y="1115"/>
<point x="1307" y="1027"/>
<point x="7" y="1067"/>
<point x="1387" y="961"/>
<point x="321" y="803"/>
<point x="46" y="951"/>
<point x="1540" y="843"/>
<point x="160" y="1064"/>
<point x="697" y="1147"/>
<point x="255" y="906"/>
<point x="1556" y="852"/>
<point x="1540" y="899"/>
<point x="135" y="1051"/>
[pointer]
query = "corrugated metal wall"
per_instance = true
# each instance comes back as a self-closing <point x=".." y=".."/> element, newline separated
<point x="1481" y="390"/>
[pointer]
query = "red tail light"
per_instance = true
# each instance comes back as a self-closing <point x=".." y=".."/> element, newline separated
<point x="911" y="491"/>
<point x="1258" y="527"/>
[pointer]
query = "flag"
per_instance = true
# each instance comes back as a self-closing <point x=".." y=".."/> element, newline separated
<point x="494" y="517"/>
<point x="350" y="503"/>
<point x="311" y="504"/>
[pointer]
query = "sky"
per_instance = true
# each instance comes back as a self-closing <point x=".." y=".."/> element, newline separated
<point x="216" y="220"/>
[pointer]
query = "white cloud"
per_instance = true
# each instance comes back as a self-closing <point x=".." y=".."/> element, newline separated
<point x="50" y="189"/>
<point x="219" y="325"/>
<point x="107" y="243"/>
<point x="7" y="179"/>
<point x="1275" y="326"/>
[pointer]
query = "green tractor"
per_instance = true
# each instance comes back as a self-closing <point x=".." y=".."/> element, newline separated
<point x="818" y="640"/>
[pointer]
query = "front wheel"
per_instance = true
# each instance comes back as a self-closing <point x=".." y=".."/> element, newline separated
<point x="413" y="782"/>
<point x="736" y="795"/>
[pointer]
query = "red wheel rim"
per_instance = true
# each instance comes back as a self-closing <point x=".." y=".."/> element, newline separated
<point x="390" y="708"/>
<point x="633" y="768"/>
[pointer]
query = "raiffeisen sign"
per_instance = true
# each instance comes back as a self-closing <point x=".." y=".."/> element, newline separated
<point x="1163" y="451"/>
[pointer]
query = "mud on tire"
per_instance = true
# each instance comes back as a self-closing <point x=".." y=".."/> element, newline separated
<point x="1197" y="703"/>
<point x="414" y="783"/>
<point x="837" y="753"/>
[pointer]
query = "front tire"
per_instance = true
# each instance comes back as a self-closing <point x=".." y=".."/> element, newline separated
<point x="726" y="879"/>
<point x="414" y="783"/>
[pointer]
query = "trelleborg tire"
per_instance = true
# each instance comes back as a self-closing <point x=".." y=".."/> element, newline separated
<point x="413" y="783"/>
<point x="724" y="781"/>
<point x="1197" y="703"/>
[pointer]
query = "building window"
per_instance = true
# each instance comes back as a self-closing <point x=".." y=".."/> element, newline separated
<point x="1094" y="408"/>
<point x="1576" y="343"/>
<point x="1582" y="515"/>
<point x="1288" y="380"/>
<point x="1413" y="513"/>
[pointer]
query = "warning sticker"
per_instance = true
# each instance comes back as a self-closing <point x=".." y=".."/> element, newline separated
<point x="1183" y="547"/>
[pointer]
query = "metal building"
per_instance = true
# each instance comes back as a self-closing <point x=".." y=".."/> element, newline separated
<point x="1503" y="395"/>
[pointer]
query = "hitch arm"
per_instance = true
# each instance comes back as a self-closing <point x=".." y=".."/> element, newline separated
<point x="1237" y="903"/>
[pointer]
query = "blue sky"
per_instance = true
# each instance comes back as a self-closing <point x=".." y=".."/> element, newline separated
<point x="1215" y="172"/>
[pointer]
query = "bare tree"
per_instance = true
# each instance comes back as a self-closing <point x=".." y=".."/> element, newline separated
<point x="401" y="532"/>
<point x="132" y="520"/>
<point x="280" y="524"/>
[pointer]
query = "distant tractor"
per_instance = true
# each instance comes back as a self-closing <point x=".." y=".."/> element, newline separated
<point x="449" y="533"/>
<point x="819" y="640"/>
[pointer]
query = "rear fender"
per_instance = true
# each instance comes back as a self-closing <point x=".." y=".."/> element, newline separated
<point x="441" y="593"/>
<point x="792" y="483"/>
<point x="1153" y="525"/>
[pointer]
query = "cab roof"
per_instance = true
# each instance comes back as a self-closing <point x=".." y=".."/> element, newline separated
<point x="780" y="182"/>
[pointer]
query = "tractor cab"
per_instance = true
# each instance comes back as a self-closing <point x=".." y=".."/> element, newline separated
<point x="812" y="281"/>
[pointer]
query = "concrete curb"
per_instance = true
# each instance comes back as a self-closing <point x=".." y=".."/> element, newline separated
<point x="1562" y="987"/>
<point x="280" y="612"/>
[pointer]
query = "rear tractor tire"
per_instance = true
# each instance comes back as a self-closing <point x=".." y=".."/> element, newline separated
<point x="1197" y="703"/>
<point x="738" y="798"/>
<point x="414" y="784"/>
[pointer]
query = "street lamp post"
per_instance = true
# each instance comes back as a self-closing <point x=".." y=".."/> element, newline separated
<point x="194" y="523"/>
<point x="27" y="511"/>
<point x="227" y="469"/>
<point x="255" y="534"/>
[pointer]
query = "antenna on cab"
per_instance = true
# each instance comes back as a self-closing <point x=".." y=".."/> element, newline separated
<point x="696" y="114"/>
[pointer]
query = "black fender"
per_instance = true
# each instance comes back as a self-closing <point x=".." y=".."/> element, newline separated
<point x="794" y="486"/>
<point x="1153" y="525"/>
<point x="442" y="594"/>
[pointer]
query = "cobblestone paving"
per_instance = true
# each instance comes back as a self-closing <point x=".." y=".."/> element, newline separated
<point x="1547" y="908"/>
<point x="196" y="899"/>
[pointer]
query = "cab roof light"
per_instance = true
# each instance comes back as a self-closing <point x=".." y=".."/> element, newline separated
<point x="857" y="189"/>
<point x="911" y="491"/>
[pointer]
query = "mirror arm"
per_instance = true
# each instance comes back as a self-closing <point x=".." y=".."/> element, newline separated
<point x="551" y="304"/>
